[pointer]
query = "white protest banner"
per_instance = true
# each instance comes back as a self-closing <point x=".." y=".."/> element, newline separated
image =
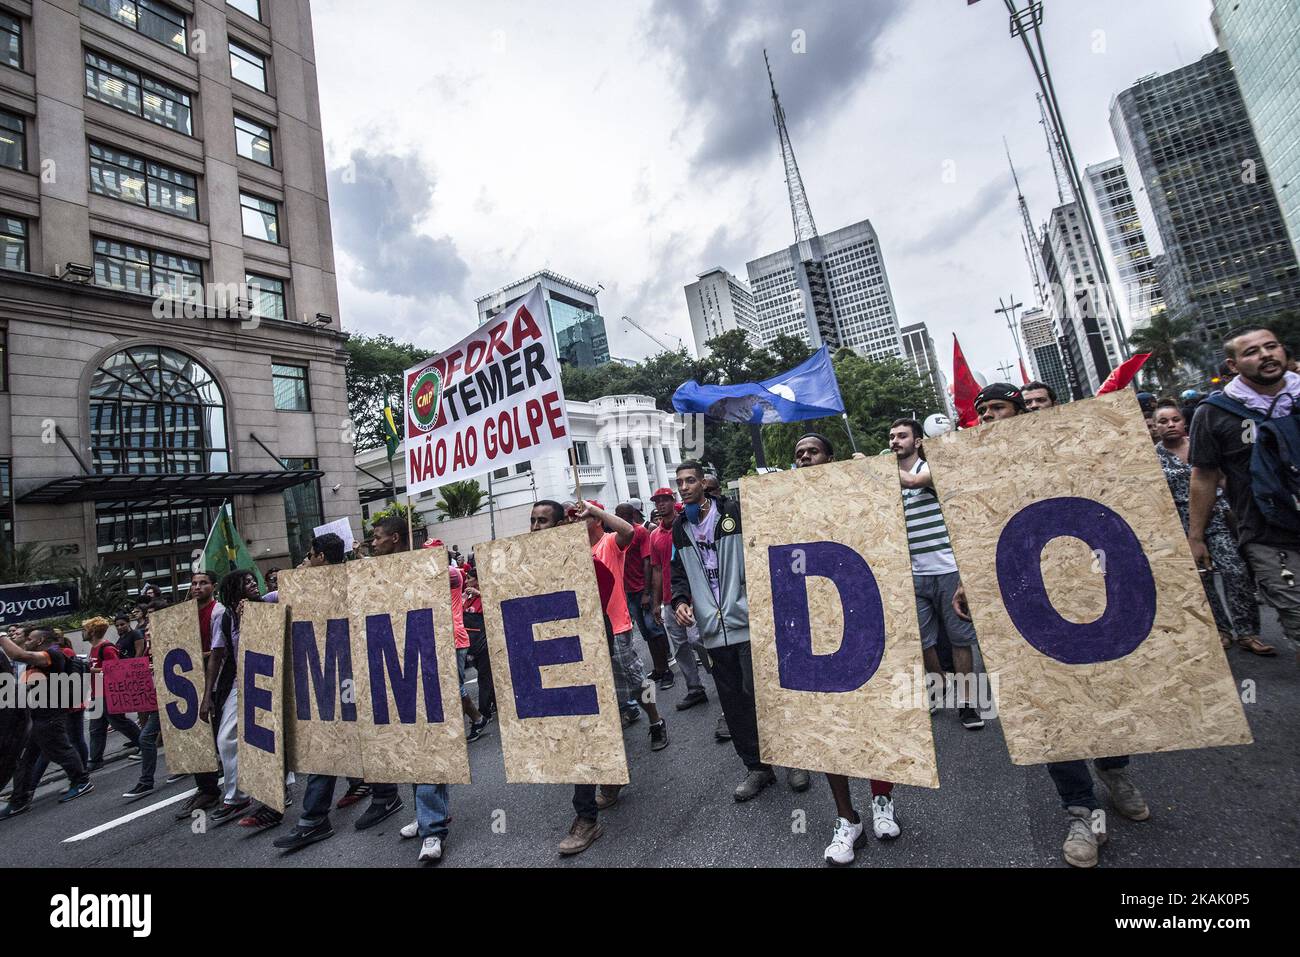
<point x="489" y="401"/>
<point x="340" y="527"/>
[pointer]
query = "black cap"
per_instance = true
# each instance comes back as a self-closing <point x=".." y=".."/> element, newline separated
<point x="1000" y="390"/>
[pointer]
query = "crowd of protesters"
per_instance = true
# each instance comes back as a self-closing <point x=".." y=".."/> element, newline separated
<point x="677" y="578"/>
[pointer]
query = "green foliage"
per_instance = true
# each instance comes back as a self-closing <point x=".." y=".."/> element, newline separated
<point x="400" y="509"/>
<point x="33" y="563"/>
<point x="460" y="499"/>
<point x="374" y="374"/>
<point x="1172" y="344"/>
<point x="102" y="590"/>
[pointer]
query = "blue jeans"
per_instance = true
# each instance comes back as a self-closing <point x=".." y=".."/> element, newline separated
<point x="432" y="803"/>
<point x="319" y="797"/>
<point x="149" y="747"/>
<point x="1074" y="782"/>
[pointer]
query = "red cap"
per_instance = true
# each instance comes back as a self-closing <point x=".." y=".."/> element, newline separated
<point x="433" y="543"/>
<point x="661" y="492"/>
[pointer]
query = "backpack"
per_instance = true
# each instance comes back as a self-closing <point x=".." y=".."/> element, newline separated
<point x="1274" y="462"/>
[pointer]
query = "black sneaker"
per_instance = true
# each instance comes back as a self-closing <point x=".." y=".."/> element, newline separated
<point x="139" y="791"/>
<point x="197" y="802"/>
<point x="477" y="729"/>
<point x="229" y="812"/>
<point x="666" y="681"/>
<point x="970" y="718"/>
<point x="658" y="735"/>
<point x="631" y="716"/>
<point x="378" y="812"/>
<point x="13" y="810"/>
<point x="693" y="698"/>
<point x="720" y="730"/>
<point x="75" y="791"/>
<point x="302" y="836"/>
<point x="173" y="778"/>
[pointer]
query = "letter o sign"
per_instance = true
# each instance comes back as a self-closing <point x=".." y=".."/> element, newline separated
<point x="1130" y="586"/>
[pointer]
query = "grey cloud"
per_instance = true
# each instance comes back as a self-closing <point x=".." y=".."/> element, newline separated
<point x="378" y="202"/>
<point x="954" y="226"/>
<point x="718" y="53"/>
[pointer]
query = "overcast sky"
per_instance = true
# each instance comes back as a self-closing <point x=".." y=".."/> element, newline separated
<point x="630" y="144"/>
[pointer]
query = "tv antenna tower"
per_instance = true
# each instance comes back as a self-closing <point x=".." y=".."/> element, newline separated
<point x="1026" y="240"/>
<point x="800" y="211"/>
<point x="1053" y="147"/>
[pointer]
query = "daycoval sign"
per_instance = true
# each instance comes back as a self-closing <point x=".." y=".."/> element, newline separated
<point x="33" y="601"/>
<point x="489" y="401"/>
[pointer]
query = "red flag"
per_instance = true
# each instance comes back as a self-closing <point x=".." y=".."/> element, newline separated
<point x="964" y="388"/>
<point x="1024" y="376"/>
<point x="1124" y="373"/>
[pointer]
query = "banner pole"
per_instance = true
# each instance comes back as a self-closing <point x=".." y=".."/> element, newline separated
<point x="849" y="429"/>
<point x="573" y="462"/>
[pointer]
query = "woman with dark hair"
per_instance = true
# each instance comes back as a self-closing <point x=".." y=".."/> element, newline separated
<point x="150" y="593"/>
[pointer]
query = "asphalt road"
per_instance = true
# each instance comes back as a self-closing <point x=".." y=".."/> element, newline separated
<point x="1221" y="807"/>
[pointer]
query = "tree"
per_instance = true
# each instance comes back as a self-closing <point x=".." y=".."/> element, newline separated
<point x="460" y="499"/>
<point x="32" y="562"/>
<point x="1172" y="344"/>
<point x="374" y="376"/>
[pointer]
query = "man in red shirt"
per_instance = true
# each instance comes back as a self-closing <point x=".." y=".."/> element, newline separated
<point x="210" y="611"/>
<point x="636" y="582"/>
<point x="661" y="556"/>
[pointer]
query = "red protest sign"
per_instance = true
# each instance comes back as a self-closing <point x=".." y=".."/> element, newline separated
<point x="128" y="686"/>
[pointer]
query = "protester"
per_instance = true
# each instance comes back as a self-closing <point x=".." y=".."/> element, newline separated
<point x="1038" y="396"/>
<point x="708" y="591"/>
<point x="1263" y="396"/>
<point x="272" y="578"/>
<point x="478" y="644"/>
<point x="314" y="824"/>
<point x="48" y="736"/>
<point x="102" y="650"/>
<point x="210" y="613"/>
<point x="1173" y="451"/>
<point x="637" y="577"/>
<point x="1087" y="824"/>
<point x="150" y="729"/>
<point x="685" y="641"/>
<point x="14" y="722"/>
<point x="130" y="642"/>
<point x="478" y="721"/>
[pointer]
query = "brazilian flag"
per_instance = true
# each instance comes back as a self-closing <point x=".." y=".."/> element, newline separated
<point x="391" y="438"/>
<point x="226" y="551"/>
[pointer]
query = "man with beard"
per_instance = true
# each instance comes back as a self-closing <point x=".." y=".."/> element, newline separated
<point x="1223" y="440"/>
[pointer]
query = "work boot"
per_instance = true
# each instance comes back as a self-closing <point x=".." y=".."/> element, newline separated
<point x="582" y="834"/>
<point x="693" y="697"/>
<point x="1128" y="800"/>
<point x="607" y="796"/>
<point x="754" y="782"/>
<point x="1087" y="833"/>
<point x="720" y="730"/>
<point x="797" y="778"/>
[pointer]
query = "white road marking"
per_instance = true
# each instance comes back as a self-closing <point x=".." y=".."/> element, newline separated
<point x="127" y="818"/>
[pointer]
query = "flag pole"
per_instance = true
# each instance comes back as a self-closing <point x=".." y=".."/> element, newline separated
<point x="849" y="429"/>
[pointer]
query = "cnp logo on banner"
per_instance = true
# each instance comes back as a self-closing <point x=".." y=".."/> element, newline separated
<point x="491" y="400"/>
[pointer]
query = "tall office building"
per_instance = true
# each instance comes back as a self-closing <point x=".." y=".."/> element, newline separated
<point x="1046" y="363"/>
<point x="165" y="224"/>
<point x="1138" y="297"/>
<point x="918" y="350"/>
<point x="829" y="290"/>
<point x="719" y="302"/>
<point x="576" y="322"/>
<point x="1267" y="67"/>
<point x="1205" y="199"/>
<point x="1077" y="299"/>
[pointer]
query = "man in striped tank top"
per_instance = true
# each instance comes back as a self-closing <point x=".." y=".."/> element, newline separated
<point x="934" y="569"/>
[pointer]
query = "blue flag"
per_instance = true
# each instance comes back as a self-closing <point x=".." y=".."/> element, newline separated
<point x="808" y="391"/>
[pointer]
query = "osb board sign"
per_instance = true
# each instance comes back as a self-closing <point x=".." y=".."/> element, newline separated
<point x="178" y="670"/>
<point x="404" y="665"/>
<point x="1082" y="587"/>
<point x="261" y="677"/>
<point x="320" y="691"/>
<point x="550" y="659"/>
<point x="833" y="628"/>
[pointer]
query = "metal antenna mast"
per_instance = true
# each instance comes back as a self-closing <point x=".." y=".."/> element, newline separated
<point x="800" y="211"/>
<point x="1053" y="147"/>
<point x="1028" y="224"/>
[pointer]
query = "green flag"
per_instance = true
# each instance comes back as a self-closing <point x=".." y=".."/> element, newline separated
<point x="391" y="438"/>
<point x="225" y="550"/>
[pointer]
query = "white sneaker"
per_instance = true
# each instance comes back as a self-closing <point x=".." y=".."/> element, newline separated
<point x="882" y="817"/>
<point x="430" y="850"/>
<point x="410" y="830"/>
<point x="848" y="838"/>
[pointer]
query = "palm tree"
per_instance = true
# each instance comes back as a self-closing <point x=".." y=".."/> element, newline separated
<point x="1172" y="343"/>
<point x="31" y="563"/>
<point x="460" y="499"/>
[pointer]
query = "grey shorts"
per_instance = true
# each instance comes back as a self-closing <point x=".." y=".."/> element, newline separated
<point x="934" y="604"/>
<point x="629" y="673"/>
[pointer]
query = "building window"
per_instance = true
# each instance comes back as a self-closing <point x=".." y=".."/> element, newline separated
<point x="302" y="510"/>
<point x="13" y="141"/>
<point x="11" y="41"/>
<point x="125" y="89"/>
<point x="261" y="221"/>
<point x="251" y="7"/>
<point x="148" y="272"/>
<point x="252" y="141"/>
<point x="6" y="507"/>
<point x="134" y="179"/>
<point x="581" y="449"/>
<point x="501" y="473"/>
<point x="4" y="360"/>
<point x="289" y="383"/>
<point x="155" y="20"/>
<point x="523" y="468"/>
<point x="247" y="66"/>
<point x="13" y="244"/>
<point x="267" y="294"/>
